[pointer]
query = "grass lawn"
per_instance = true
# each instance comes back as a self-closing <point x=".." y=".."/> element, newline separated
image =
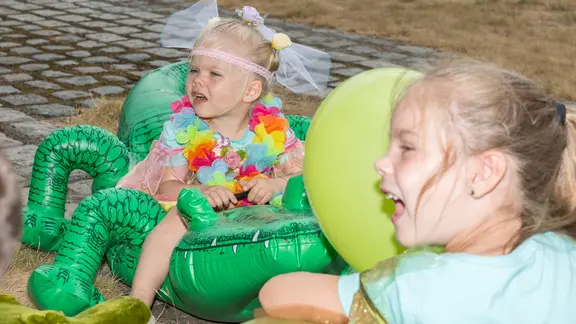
<point x="533" y="37"/>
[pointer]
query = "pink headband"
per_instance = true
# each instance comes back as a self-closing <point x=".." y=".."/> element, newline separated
<point x="248" y="65"/>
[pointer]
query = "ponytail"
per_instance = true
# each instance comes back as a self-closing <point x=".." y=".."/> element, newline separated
<point x="564" y="193"/>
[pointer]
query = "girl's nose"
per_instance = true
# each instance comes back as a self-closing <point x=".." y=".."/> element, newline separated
<point x="383" y="166"/>
<point x="198" y="80"/>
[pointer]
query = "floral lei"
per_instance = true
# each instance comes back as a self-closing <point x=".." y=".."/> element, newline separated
<point x="216" y="165"/>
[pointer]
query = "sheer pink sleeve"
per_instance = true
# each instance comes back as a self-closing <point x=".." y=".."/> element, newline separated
<point x="165" y="155"/>
<point x="292" y="160"/>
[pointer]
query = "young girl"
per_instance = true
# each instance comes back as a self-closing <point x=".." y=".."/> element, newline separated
<point x="482" y="163"/>
<point x="226" y="136"/>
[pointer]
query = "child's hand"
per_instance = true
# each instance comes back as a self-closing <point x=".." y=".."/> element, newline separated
<point x="261" y="190"/>
<point x="220" y="197"/>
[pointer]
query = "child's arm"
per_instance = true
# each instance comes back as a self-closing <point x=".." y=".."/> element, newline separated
<point x="171" y="185"/>
<point x="306" y="296"/>
<point x="290" y="165"/>
<point x="287" y="177"/>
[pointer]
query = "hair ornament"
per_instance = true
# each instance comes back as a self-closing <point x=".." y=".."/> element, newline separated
<point x="213" y="20"/>
<point x="250" y="15"/>
<point x="281" y="41"/>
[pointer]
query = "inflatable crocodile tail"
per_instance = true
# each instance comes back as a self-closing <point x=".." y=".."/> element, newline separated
<point x="91" y="149"/>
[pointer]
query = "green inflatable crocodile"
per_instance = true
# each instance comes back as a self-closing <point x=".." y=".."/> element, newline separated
<point x="218" y="267"/>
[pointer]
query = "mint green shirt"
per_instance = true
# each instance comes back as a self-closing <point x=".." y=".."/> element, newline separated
<point x="534" y="284"/>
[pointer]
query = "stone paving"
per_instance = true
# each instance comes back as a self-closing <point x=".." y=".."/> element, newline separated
<point x="56" y="56"/>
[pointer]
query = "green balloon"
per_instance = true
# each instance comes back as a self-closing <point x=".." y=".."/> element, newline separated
<point x="348" y="133"/>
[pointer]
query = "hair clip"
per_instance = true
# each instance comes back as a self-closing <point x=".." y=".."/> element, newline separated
<point x="561" y="110"/>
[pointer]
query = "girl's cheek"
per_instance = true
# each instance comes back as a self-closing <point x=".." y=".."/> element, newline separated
<point x="402" y="164"/>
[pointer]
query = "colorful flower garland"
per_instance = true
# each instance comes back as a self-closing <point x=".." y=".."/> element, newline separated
<point x="221" y="165"/>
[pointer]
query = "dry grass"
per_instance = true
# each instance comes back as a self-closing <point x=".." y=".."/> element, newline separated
<point x="534" y="37"/>
<point x="297" y="104"/>
<point x="104" y="114"/>
<point x="15" y="280"/>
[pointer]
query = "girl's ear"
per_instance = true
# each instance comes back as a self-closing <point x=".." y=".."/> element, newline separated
<point x="253" y="92"/>
<point x="491" y="167"/>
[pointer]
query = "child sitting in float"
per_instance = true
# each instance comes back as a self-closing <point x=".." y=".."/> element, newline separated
<point x="227" y="135"/>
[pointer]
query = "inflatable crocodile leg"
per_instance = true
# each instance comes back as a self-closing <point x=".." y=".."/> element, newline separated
<point x="114" y="219"/>
<point x="299" y="125"/>
<point x="104" y="220"/>
<point x="91" y="149"/>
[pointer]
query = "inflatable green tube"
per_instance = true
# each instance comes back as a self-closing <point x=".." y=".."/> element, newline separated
<point x="218" y="267"/>
<point x="87" y="148"/>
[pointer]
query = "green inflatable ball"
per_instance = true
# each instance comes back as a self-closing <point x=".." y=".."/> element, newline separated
<point x="348" y="133"/>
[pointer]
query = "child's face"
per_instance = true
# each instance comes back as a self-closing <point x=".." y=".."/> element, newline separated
<point x="215" y="87"/>
<point x="417" y="153"/>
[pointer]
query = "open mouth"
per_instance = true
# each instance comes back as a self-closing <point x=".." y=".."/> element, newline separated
<point x="198" y="97"/>
<point x="399" y="206"/>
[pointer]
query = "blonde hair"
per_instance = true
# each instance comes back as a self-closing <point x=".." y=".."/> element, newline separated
<point x="492" y="108"/>
<point x="10" y="214"/>
<point x="260" y="49"/>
